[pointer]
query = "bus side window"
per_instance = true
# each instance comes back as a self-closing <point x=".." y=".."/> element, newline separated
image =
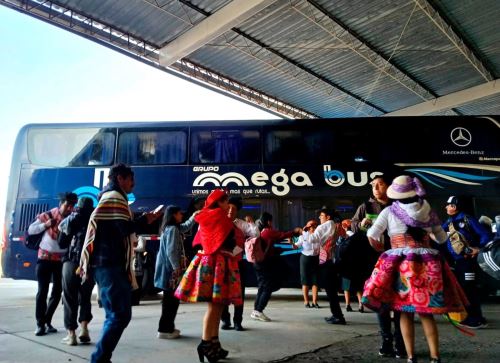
<point x="156" y="147"/>
<point x="97" y="151"/>
<point x="225" y="147"/>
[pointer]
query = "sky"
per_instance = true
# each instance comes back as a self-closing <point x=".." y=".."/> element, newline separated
<point x="50" y="75"/>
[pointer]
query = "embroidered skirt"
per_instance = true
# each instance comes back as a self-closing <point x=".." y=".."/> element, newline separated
<point x="415" y="280"/>
<point x="212" y="278"/>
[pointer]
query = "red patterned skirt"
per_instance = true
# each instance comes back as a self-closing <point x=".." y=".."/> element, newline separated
<point x="414" y="280"/>
<point x="212" y="278"/>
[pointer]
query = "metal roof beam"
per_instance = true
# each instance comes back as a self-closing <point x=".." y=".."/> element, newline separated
<point x="454" y="38"/>
<point x="322" y="19"/>
<point x="451" y="100"/>
<point x="210" y="28"/>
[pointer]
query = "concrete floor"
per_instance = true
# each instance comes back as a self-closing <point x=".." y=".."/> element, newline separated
<point x="296" y="334"/>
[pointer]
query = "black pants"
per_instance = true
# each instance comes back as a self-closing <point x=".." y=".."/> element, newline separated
<point x="46" y="272"/>
<point x="169" y="307"/>
<point x="238" y="310"/>
<point x="75" y="295"/>
<point x="384" y="323"/>
<point x="268" y="280"/>
<point x="466" y="271"/>
<point x="331" y="281"/>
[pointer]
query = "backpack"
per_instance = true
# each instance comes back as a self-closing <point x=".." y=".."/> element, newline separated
<point x="489" y="259"/>
<point x="341" y="249"/>
<point x="253" y="250"/>
<point x="32" y="241"/>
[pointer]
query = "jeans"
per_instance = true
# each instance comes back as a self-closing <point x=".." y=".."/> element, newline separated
<point x="169" y="307"/>
<point x="75" y="295"/>
<point x="384" y="323"/>
<point x="116" y="297"/>
<point x="331" y="280"/>
<point x="238" y="310"/>
<point x="466" y="271"/>
<point x="47" y="271"/>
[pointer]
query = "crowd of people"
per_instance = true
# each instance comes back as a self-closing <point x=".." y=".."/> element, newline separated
<point x="388" y="254"/>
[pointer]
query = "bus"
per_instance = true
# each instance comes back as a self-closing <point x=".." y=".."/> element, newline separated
<point x="289" y="168"/>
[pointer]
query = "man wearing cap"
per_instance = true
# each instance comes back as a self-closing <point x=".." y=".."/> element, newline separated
<point x="465" y="261"/>
<point x="363" y="218"/>
<point x="248" y="230"/>
<point x="49" y="263"/>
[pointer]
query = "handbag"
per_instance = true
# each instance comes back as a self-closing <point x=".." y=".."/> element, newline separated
<point x="457" y="240"/>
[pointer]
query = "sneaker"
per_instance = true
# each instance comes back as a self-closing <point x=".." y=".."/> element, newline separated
<point x="361" y="309"/>
<point x="411" y="360"/>
<point x="315" y="305"/>
<point x="336" y="321"/>
<point x="257" y="315"/>
<point x="348" y="308"/>
<point x="69" y="340"/>
<point x="173" y="335"/>
<point x="386" y="349"/>
<point x="51" y="329"/>
<point x="307" y="306"/>
<point x="40" y="331"/>
<point x="472" y="324"/>
<point x="400" y="353"/>
<point x="435" y="360"/>
<point x="84" y="336"/>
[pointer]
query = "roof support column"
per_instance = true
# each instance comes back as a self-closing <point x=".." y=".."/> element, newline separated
<point x="210" y="28"/>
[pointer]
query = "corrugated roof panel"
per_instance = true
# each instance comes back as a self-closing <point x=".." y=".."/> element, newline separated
<point x="423" y="51"/>
<point x="155" y="22"/>
<point x="267" y="79"/>
<point x="484" y="106"/>
<point x="480" y="25"/>
<point x="300" y="39"/>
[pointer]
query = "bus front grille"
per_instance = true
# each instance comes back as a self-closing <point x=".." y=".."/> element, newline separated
<point x="29" y="211"/>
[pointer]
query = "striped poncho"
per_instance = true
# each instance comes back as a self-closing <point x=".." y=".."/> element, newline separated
<point x="112" y="206"/>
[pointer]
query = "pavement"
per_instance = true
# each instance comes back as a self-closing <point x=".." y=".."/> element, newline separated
<point x="295" y="335"/>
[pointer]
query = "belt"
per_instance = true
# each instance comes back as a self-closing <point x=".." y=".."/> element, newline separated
<point x="49" y="256"/>
<point x="405" y="240"/>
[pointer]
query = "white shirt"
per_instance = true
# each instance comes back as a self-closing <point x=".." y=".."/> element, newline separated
<point x="47" y="243"/>
<point x="394" y="226"/>
<point x="308" y="248"/>
<point x="322" y="233"/>
<point x="249" y="229"/>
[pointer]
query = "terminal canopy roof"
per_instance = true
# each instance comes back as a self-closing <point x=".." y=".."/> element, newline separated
<point x="308" y="58"/>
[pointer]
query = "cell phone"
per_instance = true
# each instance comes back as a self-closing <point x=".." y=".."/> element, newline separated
<point x="158" y="209"/>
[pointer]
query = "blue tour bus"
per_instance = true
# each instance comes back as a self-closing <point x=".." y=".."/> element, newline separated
<point x="289" y="168"/>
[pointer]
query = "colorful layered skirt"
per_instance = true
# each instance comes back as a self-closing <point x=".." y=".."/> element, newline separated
<point x="211" y="278"/>
<point x="414" y="280"/>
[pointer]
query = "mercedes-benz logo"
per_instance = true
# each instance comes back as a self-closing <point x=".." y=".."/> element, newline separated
<point x="460" y="136"/>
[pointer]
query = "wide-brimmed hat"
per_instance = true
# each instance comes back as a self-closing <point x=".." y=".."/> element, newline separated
<point x="405" y="186"/>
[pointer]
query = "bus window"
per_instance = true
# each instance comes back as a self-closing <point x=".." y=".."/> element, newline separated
<point x="225" y="146"/>
<point x="70" y="147"/>
<point x="297" y="146"/>
<point x="152" y="147"/>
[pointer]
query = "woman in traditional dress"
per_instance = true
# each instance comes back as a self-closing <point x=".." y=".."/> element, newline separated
<point x="412" y="277"/>
<point x="213" y="275"/>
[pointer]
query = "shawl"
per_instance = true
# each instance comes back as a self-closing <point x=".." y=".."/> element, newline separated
<point x="215" y="226"/>
<point x="424" y="217"/>
<point x="56" y="215"/>
<point x="112" y="205"/>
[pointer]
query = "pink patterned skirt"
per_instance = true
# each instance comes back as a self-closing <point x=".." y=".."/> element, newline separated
<point x="414" y="280"/>
<point x="213" y="278"/>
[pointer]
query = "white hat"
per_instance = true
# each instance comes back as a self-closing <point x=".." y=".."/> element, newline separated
<point x="404" y="187"/>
